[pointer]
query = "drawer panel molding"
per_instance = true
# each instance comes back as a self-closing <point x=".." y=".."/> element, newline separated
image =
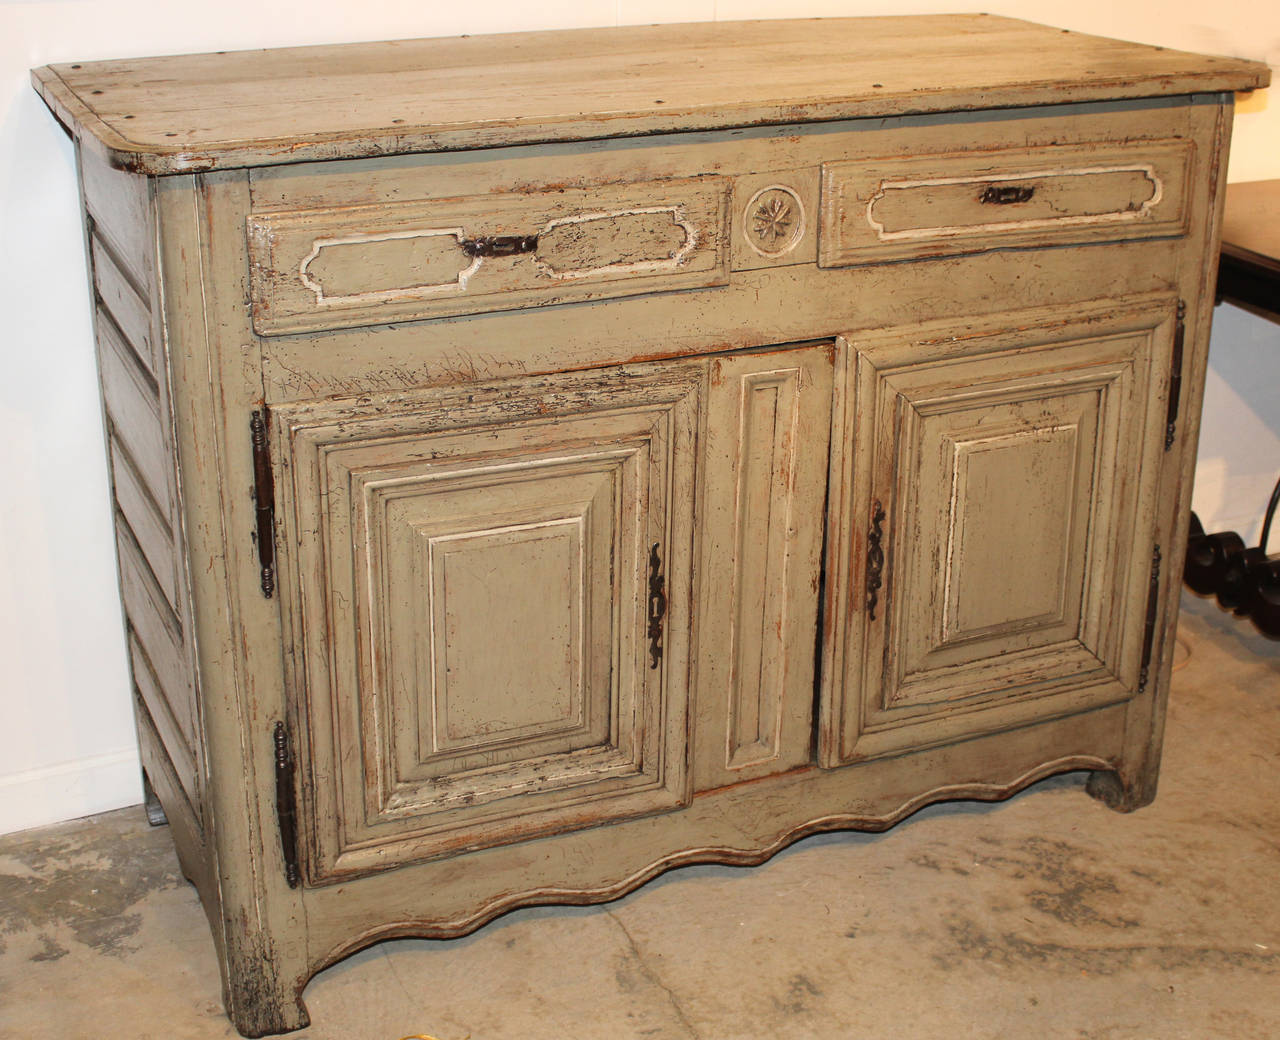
<point x="940" y="205"/>
<point x="343" y="267"/>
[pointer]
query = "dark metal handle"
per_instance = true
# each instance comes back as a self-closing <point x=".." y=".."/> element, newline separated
<point x="875" y="559"/>
<point x="1006" y="195"/>
<point x="503" y="245"/>
<point x="657" y="606"/>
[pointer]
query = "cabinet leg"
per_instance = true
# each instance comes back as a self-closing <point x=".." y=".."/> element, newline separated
<point x="155" y="811"/>
<point x="259" y="1001"/>
<point x="1119" y="792"/>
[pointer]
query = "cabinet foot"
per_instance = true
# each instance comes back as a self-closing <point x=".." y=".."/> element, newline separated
<point x="1119" y="793"/>
<point x="257" y="1006"/>
<point x="155" y="811"/>
<point x="268" y="1019"/>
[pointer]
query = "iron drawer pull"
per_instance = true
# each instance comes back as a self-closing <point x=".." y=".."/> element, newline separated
<point x="994" y="194"/>
<point x="505" y="245"/>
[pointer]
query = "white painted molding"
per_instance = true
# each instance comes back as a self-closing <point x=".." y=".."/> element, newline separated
<point x="98" y="783"/>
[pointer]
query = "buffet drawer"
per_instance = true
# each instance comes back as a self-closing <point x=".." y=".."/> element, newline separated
<point x="939" y="205"/>
<point x="348" y="266"/>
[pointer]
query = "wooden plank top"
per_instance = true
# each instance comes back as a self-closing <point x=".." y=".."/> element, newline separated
<point x="232" y="109"/>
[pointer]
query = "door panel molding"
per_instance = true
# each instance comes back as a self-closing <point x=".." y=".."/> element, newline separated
<point x="465" y="575"/>
<point x="1017" y="523"/>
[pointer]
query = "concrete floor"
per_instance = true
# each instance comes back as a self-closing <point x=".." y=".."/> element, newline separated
<point x="1044" y="916"/>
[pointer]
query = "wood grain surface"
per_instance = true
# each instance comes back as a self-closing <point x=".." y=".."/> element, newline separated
<point x="190" y="113"/>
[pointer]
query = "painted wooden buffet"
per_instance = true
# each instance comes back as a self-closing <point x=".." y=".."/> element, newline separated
<point x="544" y="460"/>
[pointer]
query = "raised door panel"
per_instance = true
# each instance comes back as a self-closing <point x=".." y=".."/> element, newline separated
<point x="514" y="627"/>
<point x="998" y="525"/>
<point x="489" y="595"/>
<point x="768" y="429"/>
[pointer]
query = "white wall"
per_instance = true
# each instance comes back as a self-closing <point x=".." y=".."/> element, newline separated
<point x="66" y="731"/>
<point x="1240" y="436"/>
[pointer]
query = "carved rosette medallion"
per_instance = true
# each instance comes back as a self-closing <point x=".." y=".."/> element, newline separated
<point x="773" y="221"/>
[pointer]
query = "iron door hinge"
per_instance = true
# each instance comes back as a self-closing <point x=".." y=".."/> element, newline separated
<point x="286" y="804"/>
<point x="264" y="496"/>
<point x="1175" y="377"/>
<point x="1149" y="629"/>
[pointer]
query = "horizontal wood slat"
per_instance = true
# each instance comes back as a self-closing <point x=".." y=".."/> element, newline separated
<point x="157" y="629"/>
<point x="149" y="527"/>
<point x="133" y="411"/>
<point x="184" y="816"/>
<point x="129" y="310"/>
<point x="119" y="205"/>
<point x="173" y="722"/>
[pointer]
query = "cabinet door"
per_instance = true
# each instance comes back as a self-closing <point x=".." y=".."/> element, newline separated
<point x="765" y="483"/>
<point x="995" y="535"/>
<point x="489" y="597"/>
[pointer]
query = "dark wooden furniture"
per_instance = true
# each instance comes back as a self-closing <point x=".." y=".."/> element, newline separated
<point x="1249" y="269"/>
<point x="1244" y="580"/>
